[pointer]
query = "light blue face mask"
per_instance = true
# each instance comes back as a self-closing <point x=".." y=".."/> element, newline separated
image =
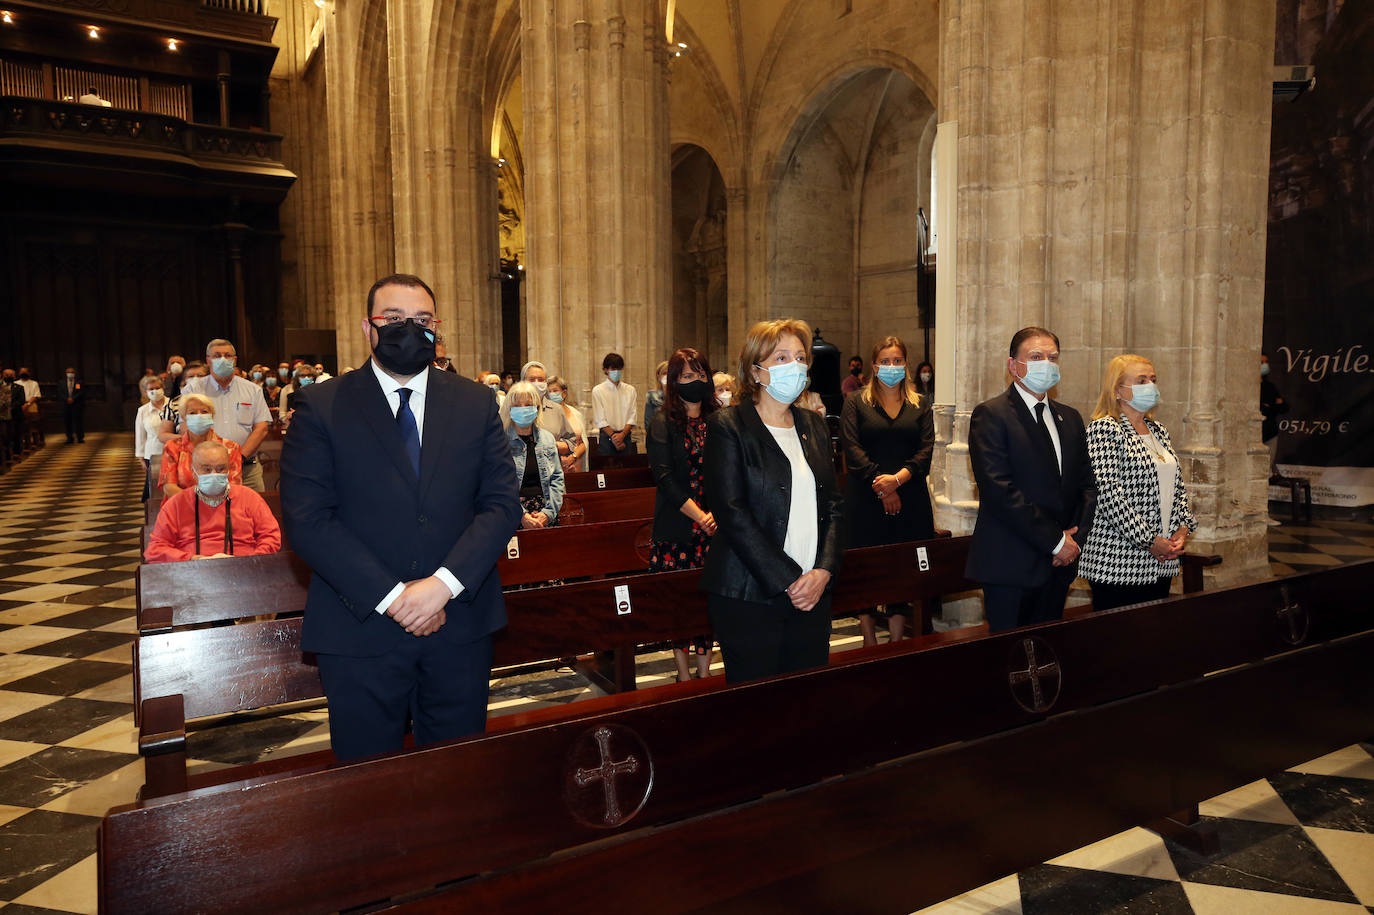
<point x="222" y="366"/>
<point x="1143" y="396"/>
<point x="786" y="381"/>
<point x="1264" y="369"/>
<point x="212" y="485"/>
<point x="614" y="375"/>
<point x="257" y="376"/>
<point x="555" y="397"/>
<point x="1041" y="375"/>
<point x="304" y="381"/>
<point x="891" y="375"/>
<point x="200" y="423"/>
<point x="523" y="416"/>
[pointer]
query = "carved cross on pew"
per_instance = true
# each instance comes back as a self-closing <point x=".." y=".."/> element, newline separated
<point x="1033" y="673"/>
<point x="1294" y="616"/>
<point x="606" y="773"/>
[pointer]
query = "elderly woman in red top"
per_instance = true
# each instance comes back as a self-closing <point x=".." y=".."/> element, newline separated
<point x="214" y="517"/>
<point x="198" y="425"/>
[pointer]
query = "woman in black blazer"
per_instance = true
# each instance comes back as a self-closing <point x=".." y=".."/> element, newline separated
<point x="677" y="451"/>
<point x="770" y="480"/>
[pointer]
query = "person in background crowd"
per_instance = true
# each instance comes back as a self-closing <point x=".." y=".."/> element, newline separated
<point x="172" y="378"/>
<point x="654" y="399"/>
<point x="551" y="417"/>
<point x="155" y="410"/>
<point x="442" y="362"/>
<point x="770" y="484"/>
<point x="1036" y="490"/>
<point x="320" y="374"/>
<point x="810" y="400"/>
<point x="283" y="373"/>
<point x="888" y="434"/>
<point x="16" y="411"/>
<point x="197" y="414"/>
<point x="257" y="374"/>
<point x="855" y="379"/>
<point x="214" y="517"/>
<point x="536" y="457"/>
<point x="506" y="381"/>
<point x="725" y="388"/>
<point x="305" y="377"/>
<point x="91" y="97"/>
<point x="241" y="413"/>
<point x="32" y="431"/>
<point x="572" y="447"/>
<point x="493" y="381"/>
<point x="73" y="407"/>
<point x="676" y="442"/>
<point x="1142" y="520"/>
<point x="7" y="442"/>
<point x="271" y="391"/>
<point x="613" y="408"/>
<point x="925" y="380"/>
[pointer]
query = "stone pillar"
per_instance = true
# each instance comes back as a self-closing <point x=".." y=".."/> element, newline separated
<point x="597" y="187"/>
<point x="1112" y="180"/>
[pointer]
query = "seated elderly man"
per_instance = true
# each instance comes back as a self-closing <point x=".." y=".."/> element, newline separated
<point x="214" y="518"/>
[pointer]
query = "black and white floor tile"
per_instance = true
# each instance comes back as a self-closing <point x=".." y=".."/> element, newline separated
<point x="1300" y="841"/>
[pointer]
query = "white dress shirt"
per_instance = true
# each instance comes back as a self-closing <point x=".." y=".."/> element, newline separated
<point x="418" y="385"/>
<point x="614" y="406"/>
<point x="1030" y="400"/>
<point x="238" y="407"/>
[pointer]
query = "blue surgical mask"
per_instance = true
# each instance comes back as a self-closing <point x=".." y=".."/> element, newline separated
<point x="1040" y="375"/>
<point x="302" y="382"/>
<point x="786" y="381"/>
<point x="283" y="372"/>
<point x="257" y="376"/>
<point x="212" y="485"/>
<point x="523" y="416"/>
<point x="200" y="423"/>
<point x="555" y="397"/>
<point x="891" y="375"/>
<point x="614" y="375"/>
<point x="1143" y="396"/>
<point x="222" y="366"/>
<point x="1264" y="369"/>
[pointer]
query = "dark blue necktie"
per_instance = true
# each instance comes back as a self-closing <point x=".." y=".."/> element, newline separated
<point x="410" y="432"/>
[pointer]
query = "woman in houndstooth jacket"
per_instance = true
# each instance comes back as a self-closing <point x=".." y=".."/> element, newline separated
<point x="1142" y="520"/>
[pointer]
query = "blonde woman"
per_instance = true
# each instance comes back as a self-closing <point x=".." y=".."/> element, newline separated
<point x="198" y="425"/>
<point x="770" y="483"/>
<point x="888" y="433"/>
<point x="535" y="455"/>
<point x="572" y="445"/>
<point x="1143" y="520"/>
<point x="725" y="388"/>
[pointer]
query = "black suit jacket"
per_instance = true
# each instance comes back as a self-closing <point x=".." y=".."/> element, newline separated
<point x="749" y="489"/>
<point x="355" y="512"/>
<point x="1025" y="504"/>
<point x="668" y="461"/>
<point x="78" y="394"/>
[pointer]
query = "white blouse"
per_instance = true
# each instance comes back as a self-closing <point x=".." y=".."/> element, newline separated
<point x="1167" y="468"/>
<point x="803" y="535"/>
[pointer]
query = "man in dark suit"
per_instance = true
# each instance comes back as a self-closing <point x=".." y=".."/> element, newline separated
<point x="1035" y="487"/>
<point x="73" y="406"/>
<point x="399" y="491"/>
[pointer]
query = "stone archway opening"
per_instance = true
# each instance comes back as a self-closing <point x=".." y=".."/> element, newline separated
<point x="507" y="134"/>
<point x="846" y="243"/>
<point x="700" y="311"/>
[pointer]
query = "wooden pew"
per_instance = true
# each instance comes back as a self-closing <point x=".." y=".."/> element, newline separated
<point x="853" y="788"/>
<point x="615" y="461"/>
<point x="596" y="480"/>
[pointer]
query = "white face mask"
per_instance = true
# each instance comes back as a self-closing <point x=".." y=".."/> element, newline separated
<point x="156" y="395"/>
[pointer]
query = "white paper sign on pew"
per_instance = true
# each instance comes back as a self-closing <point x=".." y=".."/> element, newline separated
<point x="922" y="559"/>
<point x="622" y="600"/>
<point x="600" y="481"/>
<point x="513" y="548"/>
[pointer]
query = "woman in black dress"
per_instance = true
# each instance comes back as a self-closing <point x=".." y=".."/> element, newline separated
<point x="888" y="432"/>
<point x="677" y="453"/>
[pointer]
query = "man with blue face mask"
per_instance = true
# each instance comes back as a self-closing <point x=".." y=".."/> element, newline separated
<point x="241" y="413"/>
<point x="1035" y="487"/>
<point x="214" y="518"/>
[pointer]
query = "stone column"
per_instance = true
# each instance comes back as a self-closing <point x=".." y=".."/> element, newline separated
<point x="597" y="187"/>
<point x="1112" y="179"/>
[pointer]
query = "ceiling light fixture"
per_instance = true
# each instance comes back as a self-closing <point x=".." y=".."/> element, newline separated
<point x="7" y="17"/>
<point x="678" y="49"/>
<point x="92" y="32"/>
<point x="172" y="44"/>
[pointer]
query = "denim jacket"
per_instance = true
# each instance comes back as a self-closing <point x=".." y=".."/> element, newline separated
<point x="550" y="468"/>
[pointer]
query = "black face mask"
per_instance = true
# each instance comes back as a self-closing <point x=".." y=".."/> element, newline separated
<point x="695" y="391"/>
<point x="24" y="375"/>
<point x="404" y="348"/>
<point x="856" y="371"/>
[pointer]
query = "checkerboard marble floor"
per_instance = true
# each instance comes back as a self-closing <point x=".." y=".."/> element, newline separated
<point x="1300" y="841"/>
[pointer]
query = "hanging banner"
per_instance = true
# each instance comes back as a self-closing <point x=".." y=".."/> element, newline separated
<point x="1319" y="281"/>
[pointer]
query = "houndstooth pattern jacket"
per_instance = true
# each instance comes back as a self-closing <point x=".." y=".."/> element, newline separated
<point x="1127" y="519"/>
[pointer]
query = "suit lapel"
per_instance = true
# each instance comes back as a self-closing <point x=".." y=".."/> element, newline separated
<point x="440" y="401"/>
<point x="377" y="413"/>
<point x="1032" y="429"/>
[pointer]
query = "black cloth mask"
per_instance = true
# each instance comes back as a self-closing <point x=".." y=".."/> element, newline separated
<point x="856" y="371"/>
<point x="695" y="391"/>
<point x="404" y="348"/>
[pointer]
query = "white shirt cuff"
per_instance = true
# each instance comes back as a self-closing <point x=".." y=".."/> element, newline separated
<point x="1060" y="545"/>
<point x="390" y="596"/>
<point x="455" y="587"/>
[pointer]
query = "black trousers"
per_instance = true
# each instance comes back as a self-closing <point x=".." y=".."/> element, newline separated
<point x="761" y="639"/>
<point x="440" y="687"/>
<point x="1011" y="606"/>
<point x="1106" y="596"/>
<point x="74" y="419"/>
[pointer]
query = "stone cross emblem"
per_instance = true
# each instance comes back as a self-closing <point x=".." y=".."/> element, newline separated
<point x="1034" y="675"/>
<point x="1293" y="617"/>
<point x="609" y="776"/>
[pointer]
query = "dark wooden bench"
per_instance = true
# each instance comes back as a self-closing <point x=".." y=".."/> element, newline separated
<point x="853" y="788"/>
<point x="597" y="480"/>
<point x="614" y="461"/>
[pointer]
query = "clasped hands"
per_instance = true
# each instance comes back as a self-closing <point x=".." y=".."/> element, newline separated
<point x="1069" y="551"/>
<point x="806" y="591"/>
<point x="534" y="522"/>
<point x="1165" y="549"/>
<point x="419" y="608"/>
<point x="885" y="486"/>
